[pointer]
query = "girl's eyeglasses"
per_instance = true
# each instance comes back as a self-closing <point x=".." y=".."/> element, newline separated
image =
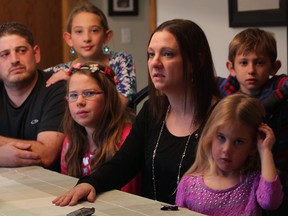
<point x="87" y="94"/>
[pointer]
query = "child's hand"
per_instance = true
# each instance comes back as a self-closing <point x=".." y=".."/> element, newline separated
<point x="265" y="142"/>
<point x="57" y="76"/>
<point x="265" y="138"/>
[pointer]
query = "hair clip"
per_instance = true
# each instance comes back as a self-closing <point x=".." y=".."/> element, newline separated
<point x="94" y="68"/>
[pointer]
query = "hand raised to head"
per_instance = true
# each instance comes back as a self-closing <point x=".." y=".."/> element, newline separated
<point x="265" y="138"/>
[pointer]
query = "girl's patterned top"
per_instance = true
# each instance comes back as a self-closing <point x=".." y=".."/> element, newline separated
<point x="246" y="198"/>
<point x="123" y="66"/>
<point x="132" y="187"/>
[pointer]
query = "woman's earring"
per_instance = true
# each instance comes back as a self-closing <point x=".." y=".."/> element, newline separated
<point x="72" y="51"/>
<point x="105" y="49"/>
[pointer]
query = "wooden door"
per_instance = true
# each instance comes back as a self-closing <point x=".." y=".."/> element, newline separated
<point x="46" y="19"/>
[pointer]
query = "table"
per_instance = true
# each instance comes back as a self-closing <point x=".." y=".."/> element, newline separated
<point x="29" y="191"/>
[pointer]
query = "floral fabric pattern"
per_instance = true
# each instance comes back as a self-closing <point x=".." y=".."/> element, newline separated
<point x="123" y="66"/>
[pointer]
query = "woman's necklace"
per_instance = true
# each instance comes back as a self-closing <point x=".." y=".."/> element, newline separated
<point x="154" y="154"/>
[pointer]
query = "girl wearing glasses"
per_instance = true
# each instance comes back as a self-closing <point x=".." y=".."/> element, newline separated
<point x="95" y="121"/>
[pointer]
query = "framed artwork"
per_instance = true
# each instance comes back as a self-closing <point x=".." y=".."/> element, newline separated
<point x="268" y="13"/>
<point x="123" y="7"/>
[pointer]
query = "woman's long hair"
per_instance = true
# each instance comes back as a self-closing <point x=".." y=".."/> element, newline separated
<point x="198" y="69"/>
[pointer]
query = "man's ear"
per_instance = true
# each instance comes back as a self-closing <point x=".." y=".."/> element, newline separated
<point x="36" y="50"/>
<point x="275" y="67"/>
<point x="230" y="67"/>
<point x="67" y="38"/>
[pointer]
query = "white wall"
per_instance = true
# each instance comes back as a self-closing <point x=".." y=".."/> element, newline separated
<point x="212" y="17"/>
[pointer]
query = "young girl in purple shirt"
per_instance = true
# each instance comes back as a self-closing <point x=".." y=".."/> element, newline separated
<point x="234" y="172"/>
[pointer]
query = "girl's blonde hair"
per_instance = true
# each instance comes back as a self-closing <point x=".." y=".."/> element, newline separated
<point x="236" y="108"/>
<point x="109" y="130"/>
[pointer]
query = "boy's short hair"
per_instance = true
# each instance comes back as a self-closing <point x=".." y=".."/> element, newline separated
<point x="253" y="40"/>
<point x="14" y="28"/>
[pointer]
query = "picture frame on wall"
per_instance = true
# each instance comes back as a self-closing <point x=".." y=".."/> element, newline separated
<point x="240" y="15"/>
<point x="123" y="7"/>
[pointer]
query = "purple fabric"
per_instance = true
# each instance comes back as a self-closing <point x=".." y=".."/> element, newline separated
<point x="245" y="198"/>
